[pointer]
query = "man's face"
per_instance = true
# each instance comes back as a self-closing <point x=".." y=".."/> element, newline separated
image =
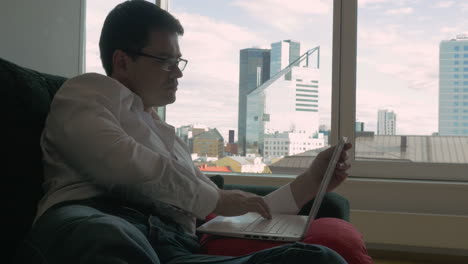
<point x="146" y="76"/>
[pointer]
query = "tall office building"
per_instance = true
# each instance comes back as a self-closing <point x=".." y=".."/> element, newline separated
<point x="254" y="70"/>
<point x="453" y="86"/>
<point x="285" y="105"/>
<point x="359" y="126"/>
<point x="231" y="136"/>
<point x="386" y="123"/>
<point x="284" y="53"/>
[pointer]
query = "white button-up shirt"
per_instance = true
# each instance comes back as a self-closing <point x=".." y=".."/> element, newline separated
<point x="98" y="138"/>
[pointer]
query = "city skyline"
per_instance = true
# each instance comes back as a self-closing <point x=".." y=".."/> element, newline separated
<point x="417" y="80"/>
<point x="406" y="66"/>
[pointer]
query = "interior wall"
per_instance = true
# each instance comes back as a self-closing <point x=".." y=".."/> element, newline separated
<point x="409" y="216"/>
<point x="43" y="35"/>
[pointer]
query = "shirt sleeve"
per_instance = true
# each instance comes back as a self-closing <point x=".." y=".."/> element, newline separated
<point x="85" y="129"/>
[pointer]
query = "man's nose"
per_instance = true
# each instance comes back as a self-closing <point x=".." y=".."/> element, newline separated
<point x="176" y="72"/>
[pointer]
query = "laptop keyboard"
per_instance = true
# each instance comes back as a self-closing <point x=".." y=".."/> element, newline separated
<point x="262" y="225"/>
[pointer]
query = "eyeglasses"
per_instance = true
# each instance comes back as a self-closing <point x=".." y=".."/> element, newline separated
<point x="167" y="64"/>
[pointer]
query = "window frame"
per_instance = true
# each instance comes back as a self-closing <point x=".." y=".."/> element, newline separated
<point x="377" y="188"/>
<point x="344" y="110"/>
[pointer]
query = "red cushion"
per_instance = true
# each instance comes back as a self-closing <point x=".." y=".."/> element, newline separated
<point x="334" y="233"/>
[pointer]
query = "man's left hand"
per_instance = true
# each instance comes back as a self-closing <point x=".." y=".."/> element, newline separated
<point x="305" y="186"/>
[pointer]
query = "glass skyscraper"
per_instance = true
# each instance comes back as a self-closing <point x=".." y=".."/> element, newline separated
<point x="386" y="122"/>
<point x="282" y="54"/>
<point x="254" y="70"/>
<point x="453" y="86"/>
<point x="284" y="104"/>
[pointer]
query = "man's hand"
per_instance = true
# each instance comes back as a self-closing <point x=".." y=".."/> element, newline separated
<point x="236" y="202"/>
<point x="319" y="166"/>
<point x="305" y="186"/>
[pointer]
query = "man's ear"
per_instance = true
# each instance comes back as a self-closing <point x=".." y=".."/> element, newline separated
<point x="120" y="63"/>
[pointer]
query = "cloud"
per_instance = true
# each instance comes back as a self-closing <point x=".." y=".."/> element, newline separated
<point x="423" y="18"/>
<point x="419" y="76"/>
<point x="449" y="29"/>
<point x="383" y="3"/>
<point x="400" y="11"/>
<point x="367" y="3"/>
<point x="453" y="31"/>
<point x="444" y="4"/>
<point x="284" y="15"/>
<point x="372" y="37"/>
<point x="212" y="46"/>
<point x="208" y="92"/>
<point x="464" y="7"/>
<point x="398" y="70"/>
<point x="403" y="54"/>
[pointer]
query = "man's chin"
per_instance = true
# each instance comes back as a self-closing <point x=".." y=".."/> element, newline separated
<point x="171" y="100"/>
<point x="167" y="101"/>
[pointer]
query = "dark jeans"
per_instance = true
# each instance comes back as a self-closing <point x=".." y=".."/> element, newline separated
<point x="94" y="231"/>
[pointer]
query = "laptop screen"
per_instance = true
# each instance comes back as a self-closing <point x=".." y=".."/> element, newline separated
<point x="325" y="181"/>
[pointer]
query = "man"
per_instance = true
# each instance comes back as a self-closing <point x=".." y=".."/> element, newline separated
<point x="120" y="186"/>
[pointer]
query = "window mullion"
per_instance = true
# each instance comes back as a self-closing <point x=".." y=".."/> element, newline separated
<point x="344" y="70"/>
<point x="161" y="111"/>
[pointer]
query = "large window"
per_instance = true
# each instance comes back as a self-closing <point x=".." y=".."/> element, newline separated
<point x="405" y="97"/>
<point x="258" y="89"/>
<point x="392" y="60"/>
<point x="411" y="71"/>
<point x="259" y="73"/>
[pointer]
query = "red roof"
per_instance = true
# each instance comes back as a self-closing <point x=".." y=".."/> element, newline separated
<point x="214" y="168"/>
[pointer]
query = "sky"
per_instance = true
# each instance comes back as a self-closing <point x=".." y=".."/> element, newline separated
<point x="397" y="64"/>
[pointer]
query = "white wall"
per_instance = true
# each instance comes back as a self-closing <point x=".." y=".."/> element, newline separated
<point x="44" y="35"/>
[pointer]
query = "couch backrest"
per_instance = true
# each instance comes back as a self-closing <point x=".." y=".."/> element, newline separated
<point x="27" y="95"/>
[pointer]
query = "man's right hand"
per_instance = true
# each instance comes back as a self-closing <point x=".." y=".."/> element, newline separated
<point x="237" y="202"/>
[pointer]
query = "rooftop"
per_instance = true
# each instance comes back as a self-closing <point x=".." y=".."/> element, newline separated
<point x="429" y="149"/>
<point x="210" y="134"/>
<point x="205" y="167"/>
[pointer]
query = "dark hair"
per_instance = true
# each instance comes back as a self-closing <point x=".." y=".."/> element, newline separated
<point x="128" y="26"/>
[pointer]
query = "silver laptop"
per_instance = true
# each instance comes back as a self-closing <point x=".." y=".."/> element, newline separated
<point x="281" y="227"/>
